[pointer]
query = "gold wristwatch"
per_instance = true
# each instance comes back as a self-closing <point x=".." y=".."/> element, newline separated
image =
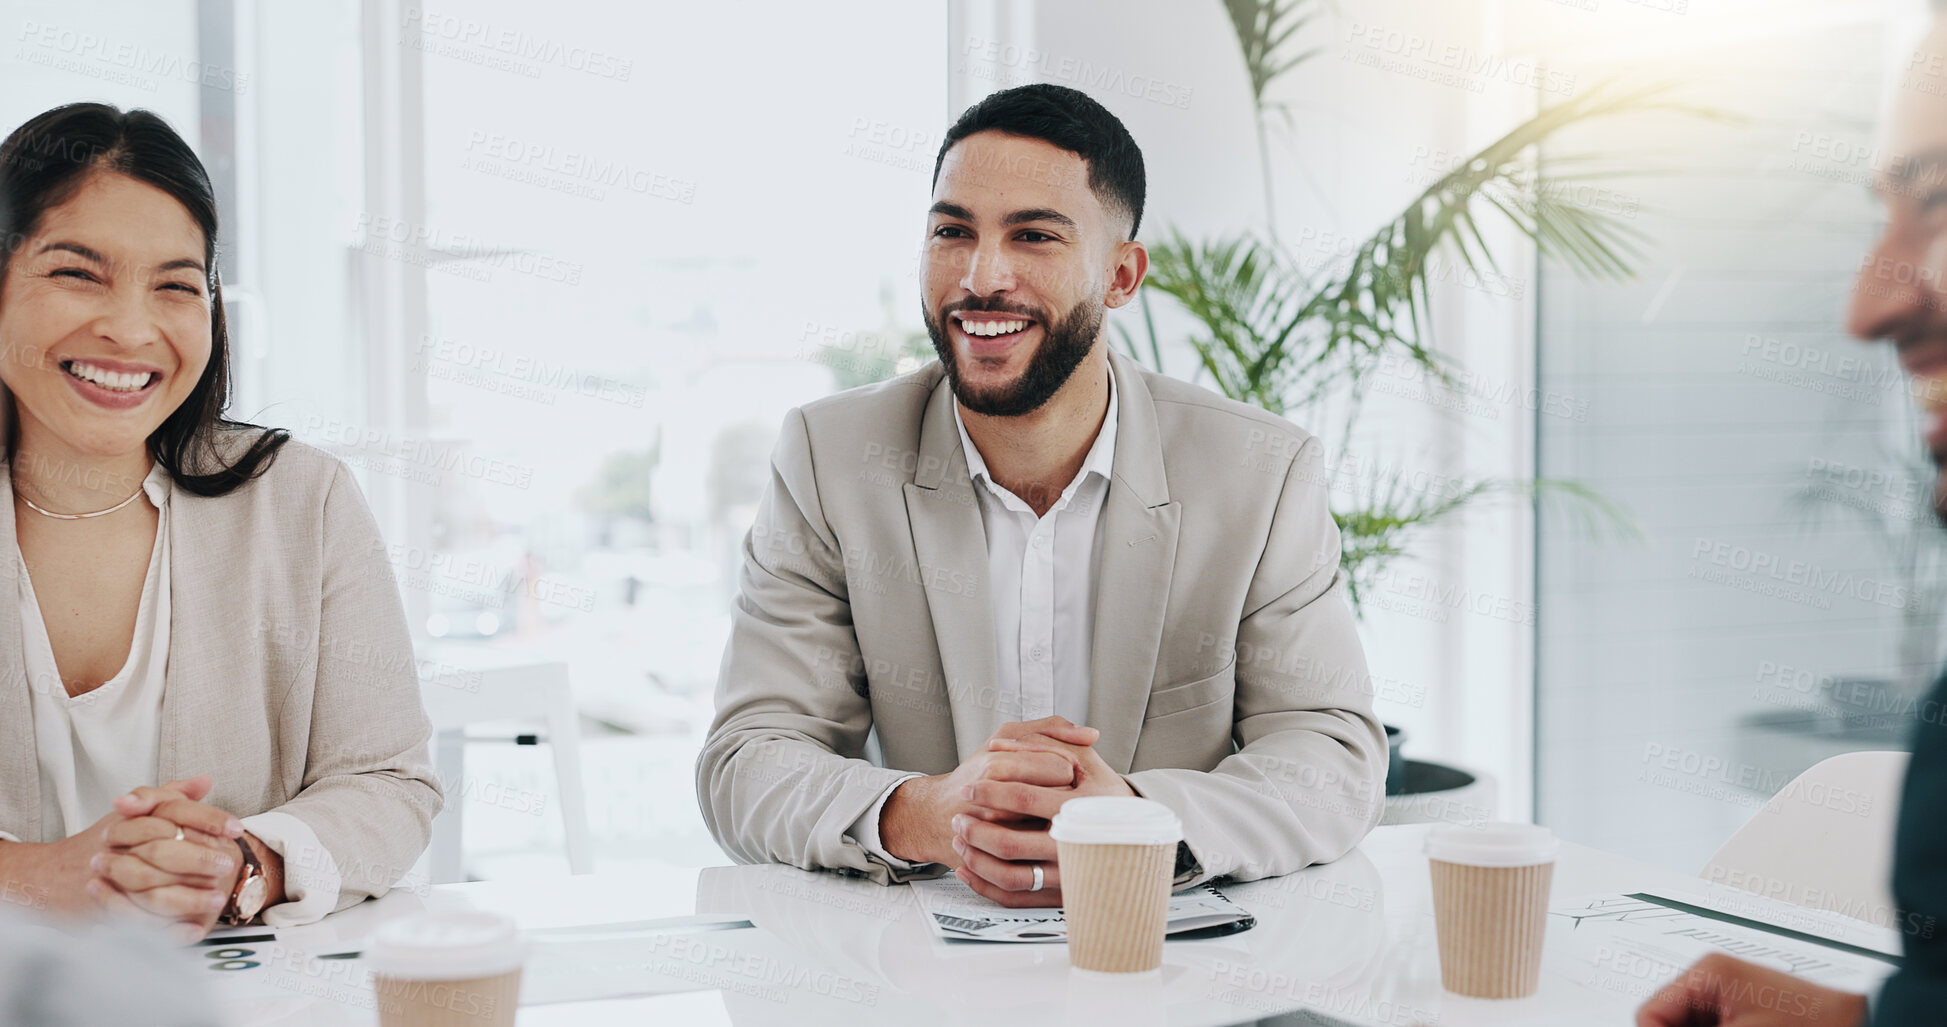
<point x="247" y="900"/>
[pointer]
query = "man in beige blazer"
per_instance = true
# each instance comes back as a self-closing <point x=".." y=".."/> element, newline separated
<point x="1035" y="570"/>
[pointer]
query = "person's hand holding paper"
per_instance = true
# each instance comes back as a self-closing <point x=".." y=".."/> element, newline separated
<point x="1727" y="992"/>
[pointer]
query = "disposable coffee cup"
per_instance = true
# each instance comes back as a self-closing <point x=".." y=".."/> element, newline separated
<point x="1117" y="857"/>
<point x="457" y="969"/>
<point x="1490" y="905"/>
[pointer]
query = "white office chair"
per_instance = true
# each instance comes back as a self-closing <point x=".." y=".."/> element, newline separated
<point x="470" y="685"/>
<point x="1825" y="840"/>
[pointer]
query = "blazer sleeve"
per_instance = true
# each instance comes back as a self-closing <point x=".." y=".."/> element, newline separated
<point x="1307" y="781"/>
<point x="782" y="776"/>
<point x="369" y="791"/>
<point x="1918" y="992"/>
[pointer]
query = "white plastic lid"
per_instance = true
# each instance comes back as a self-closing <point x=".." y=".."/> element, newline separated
<point x="446" y="946"/>
<point x="1116" y="820"/>
<point x="1497" y="844"/>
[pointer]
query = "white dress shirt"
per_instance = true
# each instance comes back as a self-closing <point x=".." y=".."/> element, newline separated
<point x="103" y="743"/>
<point x="1043" y="570"/>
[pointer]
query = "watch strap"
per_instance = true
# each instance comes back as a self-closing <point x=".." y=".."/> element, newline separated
<point x="252" y="869"/>
<point x="1188" y="867"/>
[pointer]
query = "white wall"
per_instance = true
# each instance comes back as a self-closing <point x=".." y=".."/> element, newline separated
<point x="139" y="56"/>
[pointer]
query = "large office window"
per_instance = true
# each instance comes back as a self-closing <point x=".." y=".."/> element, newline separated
<point x="548" y="279"/>
<point x="1783" y="604"/>
<point x="649" y="250"/>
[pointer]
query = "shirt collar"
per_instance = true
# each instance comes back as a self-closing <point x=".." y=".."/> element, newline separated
<point x="1099" y="461"/>
<point x="157" y="484"/>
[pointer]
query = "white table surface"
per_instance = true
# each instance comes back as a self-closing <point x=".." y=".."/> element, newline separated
<point x="1348" y="942"/>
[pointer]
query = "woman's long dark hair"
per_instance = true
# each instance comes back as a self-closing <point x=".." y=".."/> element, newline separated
<point x="42" y="165"/>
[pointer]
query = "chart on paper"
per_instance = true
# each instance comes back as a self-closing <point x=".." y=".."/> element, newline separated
<point x="1634" y="943"/>
<point x="958" y="912"/>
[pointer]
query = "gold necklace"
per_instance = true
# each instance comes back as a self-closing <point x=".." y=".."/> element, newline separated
<point x="80" y="516"/>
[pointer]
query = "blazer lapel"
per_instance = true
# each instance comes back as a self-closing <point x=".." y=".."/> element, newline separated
<point x="1138" y="540"/>
<point x="20" y="769"/>
<point x="949" y="538"/>
<point x="193" y="696"/>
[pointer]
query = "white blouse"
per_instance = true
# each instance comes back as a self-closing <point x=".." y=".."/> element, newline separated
<point x="103" y="743"/>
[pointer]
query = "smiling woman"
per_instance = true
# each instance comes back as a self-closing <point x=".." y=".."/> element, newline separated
<point x="132" y="165"/>
<point x="186" y="734"/>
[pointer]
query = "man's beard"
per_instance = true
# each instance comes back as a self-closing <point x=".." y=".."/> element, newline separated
<point x="1063" y="347"/>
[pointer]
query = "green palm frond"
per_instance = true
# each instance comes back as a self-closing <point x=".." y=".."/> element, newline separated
<point x="1389" y="514"/>
<point x="1383" y="296"/>
<point x="1263" y="28"/>
<point x="1270" y="337"/>
<point x="1269" y="334"/>
<point x="1245" y="301"/>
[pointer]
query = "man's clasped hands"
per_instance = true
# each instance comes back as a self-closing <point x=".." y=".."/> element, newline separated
<point x="989" y="817"/>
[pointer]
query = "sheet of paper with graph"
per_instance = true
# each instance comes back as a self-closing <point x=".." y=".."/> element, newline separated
<point x="957" y="911"/>
<point x="1634" y="944"/>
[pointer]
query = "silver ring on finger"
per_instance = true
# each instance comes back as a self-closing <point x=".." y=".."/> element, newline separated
<point x="1038" y="882"/>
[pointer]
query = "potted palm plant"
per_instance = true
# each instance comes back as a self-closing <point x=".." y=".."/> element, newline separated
<point x="1304" y="345"/>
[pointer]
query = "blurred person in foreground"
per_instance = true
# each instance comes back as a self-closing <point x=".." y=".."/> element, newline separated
<point x="1034" y="570"/>
<point x="1719" y="989"/>
<point x="209" y="711"/>
<point x="51" y="976"/>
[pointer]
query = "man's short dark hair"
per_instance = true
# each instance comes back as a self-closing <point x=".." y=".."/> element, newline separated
<point x="1072" y="120"/>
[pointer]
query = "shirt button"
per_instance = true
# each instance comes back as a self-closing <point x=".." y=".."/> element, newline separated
<point x="1040" y="541"/>
<point x="1037" y="652"/>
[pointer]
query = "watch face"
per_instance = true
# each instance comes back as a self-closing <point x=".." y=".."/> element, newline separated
<point x="250" y="900"/>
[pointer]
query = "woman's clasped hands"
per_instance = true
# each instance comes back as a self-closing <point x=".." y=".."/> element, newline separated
<point x="166" y="857"/>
